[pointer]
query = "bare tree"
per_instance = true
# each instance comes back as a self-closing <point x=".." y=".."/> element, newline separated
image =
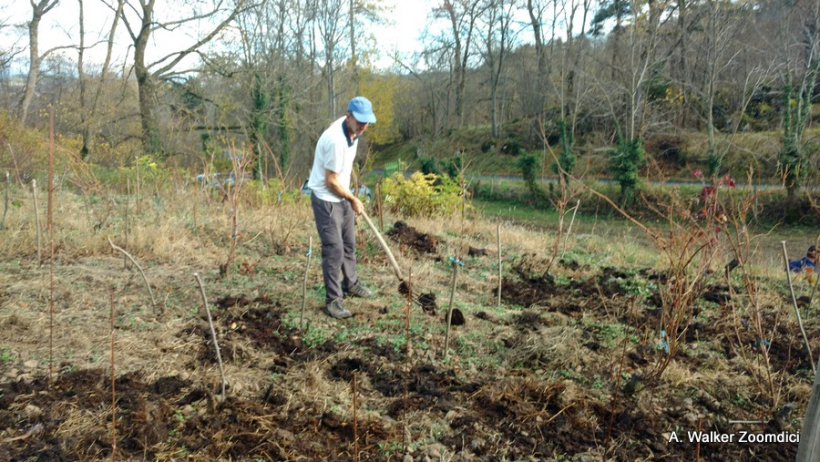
<point x="721" y="25"/>
<point x="8" y="50"/>
<point x="497" y="43"/>
<point x="38" y="10"/>
<point x="800" y="75"/>
<point x="360" y="11"/>
<point x="331" y="30"/>
<point x="462" y="16"/>
<point x="536" y="9"/>
<point x="141" y="21"/>
<point x="88" y="114"/>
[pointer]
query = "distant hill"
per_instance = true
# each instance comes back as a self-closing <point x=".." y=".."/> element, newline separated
<point x="672" y="156"/>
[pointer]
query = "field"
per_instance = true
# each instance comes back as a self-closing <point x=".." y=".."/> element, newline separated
<point x="601" y="348"/>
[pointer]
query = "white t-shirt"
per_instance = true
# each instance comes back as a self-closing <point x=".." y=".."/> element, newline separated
<point x="332" y="153"/>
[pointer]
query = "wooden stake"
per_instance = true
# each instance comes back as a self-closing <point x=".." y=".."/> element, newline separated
<point x="407" y="334"/>
<point x="51" y="233"/>
<point x="127" y="201"/>
<point x="379" y="204"/>
<point x="113" y="382"/>
<point x="498" y="239"/>
<point x="304" y="283"/>
<point x="814" y="284"/>
<point x="5" y="203"/>
<point x="37" y="222"/>
<point x="50" y="173"/>
<point x="408" y="305"/>
<point x="796" y="309"/>
<point x="213" y="332"/>
<point x="456" y="265"/>
<point x="16" y="167"/>
<point x="137" y="177"/>
<point x="355" y="423"/>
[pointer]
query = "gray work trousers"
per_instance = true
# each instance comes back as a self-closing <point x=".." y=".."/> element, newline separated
<point x="336" y="224"/>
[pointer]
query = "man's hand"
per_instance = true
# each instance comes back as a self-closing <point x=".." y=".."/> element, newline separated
<point x="358" y="206"/>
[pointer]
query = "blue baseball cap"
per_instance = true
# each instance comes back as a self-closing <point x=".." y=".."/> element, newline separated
<point x="362" y="110"/>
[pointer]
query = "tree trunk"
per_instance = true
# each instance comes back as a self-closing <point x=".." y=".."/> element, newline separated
<point x="146" y="93"/>
<point x="494" y="92"/>
<point x="146" y="90"/>
<point x="353" y="59"/>
<point x="37" y="12"/>
<point x="540" y="52"/>
<point x="459" y="70"/>
<point x="684" y="79"/>
<point x="85" y="132"/>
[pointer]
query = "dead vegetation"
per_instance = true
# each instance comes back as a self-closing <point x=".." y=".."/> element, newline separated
<point x="570" y="366"/>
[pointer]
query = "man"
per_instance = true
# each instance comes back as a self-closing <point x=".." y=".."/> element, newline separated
<point x="809" y="262"/>
<point x="335" y="207"/>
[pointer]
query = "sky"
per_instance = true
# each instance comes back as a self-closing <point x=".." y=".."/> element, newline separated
<point x="61" y="26"/>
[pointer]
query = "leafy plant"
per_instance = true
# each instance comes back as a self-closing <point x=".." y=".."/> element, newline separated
<point x="5" y="355"/>
<point x="315" y="337"/>
<point x="530" y="165"/>
<point x="425" y="195"/>
<point x="567" y="159"/>
<point x="625" y="162"/>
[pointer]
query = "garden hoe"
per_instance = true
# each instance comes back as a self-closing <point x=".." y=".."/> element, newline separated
<point x="428" y="300"/>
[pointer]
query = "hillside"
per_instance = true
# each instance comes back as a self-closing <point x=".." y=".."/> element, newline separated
<point x="671" y="156"/>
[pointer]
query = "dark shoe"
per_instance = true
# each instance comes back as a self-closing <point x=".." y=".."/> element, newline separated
<point x="335" y="309"/>
<point x="358" y="290"/>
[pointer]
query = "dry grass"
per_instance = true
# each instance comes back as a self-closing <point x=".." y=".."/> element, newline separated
<point x="553" y="348"/>
<point x="516" y="364"/>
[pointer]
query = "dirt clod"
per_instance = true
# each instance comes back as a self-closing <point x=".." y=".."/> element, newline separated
<point x="408" y="237"/>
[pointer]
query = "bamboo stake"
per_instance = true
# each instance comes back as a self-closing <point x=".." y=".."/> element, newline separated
<point x="37" y="221"/>
<point x="16" y="168"/>
<point x="51" y="175"/>
<point x="144" y="278"/>
<point x="304" y="283"/>
<point x="127" y="201"/>
<point x="51" y="236"/>
<point x="498" y="240"/>
<point x="407" y="334"/>
<point x="408" y="305"/>
<point x="213" y="332"/>
<point x="5" y="203"/>
<point x="796" y="309"/>
<point x="355" y="423"/>
<point x="815" y="284"/>
<point x="379" y="204"/>
<point x="456" y="265"/>
<point x="113" y="382"/>
<point x="137" y="177"/>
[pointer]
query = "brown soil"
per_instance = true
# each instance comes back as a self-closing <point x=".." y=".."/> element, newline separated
<point x="408" y="237"/>
<point x="534" y="407"/>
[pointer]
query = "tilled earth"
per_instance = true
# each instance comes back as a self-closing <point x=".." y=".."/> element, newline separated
<point x="595" y="400"/>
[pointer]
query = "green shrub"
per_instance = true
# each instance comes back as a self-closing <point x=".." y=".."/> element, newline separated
<point x="625" y="162"/>
<point x="530" y="165"/>
<point x="429" y="165"/>
<point x="422" y="194"/>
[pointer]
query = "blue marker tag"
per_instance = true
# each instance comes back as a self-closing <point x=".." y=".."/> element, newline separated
<point x="664" y="344"/>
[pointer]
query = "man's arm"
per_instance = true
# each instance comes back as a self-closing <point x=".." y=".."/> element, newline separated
<point x="332" y="183"/>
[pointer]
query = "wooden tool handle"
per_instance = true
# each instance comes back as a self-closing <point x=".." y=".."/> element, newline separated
<point x="384" y="246"/>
